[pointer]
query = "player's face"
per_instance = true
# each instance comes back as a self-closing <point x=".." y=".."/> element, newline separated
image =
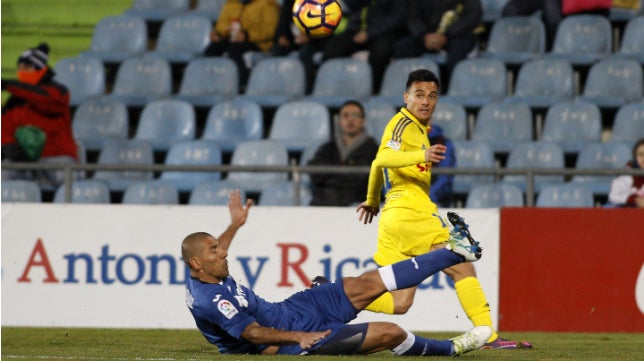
<point x="351" y="120"/>
<point x="421" y="99"/>
<point x="214" y="265"/>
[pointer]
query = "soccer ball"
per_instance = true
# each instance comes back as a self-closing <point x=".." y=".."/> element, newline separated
<point x="317" y="18"/>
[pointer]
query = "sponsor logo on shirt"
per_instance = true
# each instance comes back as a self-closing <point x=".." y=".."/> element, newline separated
<point x="227" y="309"/>
<point x="395" y="145"/>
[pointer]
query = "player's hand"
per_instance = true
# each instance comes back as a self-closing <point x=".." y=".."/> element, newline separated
<point x="308" y="339"/>
<point x="238" y="212"/>
<point x="435" y="153"/>
<point x="366" y="212"/>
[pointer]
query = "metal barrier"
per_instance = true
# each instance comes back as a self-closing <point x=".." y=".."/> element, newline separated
<point x="297" y="170"/>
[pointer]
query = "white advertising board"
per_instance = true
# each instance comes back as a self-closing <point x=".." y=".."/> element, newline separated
<point x="119" y="266"/>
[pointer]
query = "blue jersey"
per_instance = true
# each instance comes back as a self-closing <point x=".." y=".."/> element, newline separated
<point x="222" y="312"/>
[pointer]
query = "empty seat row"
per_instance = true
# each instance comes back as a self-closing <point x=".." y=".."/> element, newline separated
<point x="499" y="194"/>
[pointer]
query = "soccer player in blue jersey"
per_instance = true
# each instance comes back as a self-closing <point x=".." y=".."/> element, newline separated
<point x="313" y="321"/>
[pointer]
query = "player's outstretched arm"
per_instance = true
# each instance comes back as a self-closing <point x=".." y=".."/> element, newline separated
<point x="258" y="334"/>
<point x="366" y="213"/>
<point x="238" y="215"/>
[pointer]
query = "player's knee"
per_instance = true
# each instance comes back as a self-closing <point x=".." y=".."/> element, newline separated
<point x="391" y="335"/>
<point x="402" y="305"/>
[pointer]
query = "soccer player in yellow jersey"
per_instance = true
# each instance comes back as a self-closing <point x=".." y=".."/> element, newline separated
<point x="410" y="223"/>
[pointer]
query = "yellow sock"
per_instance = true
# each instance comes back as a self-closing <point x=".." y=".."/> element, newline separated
<point x="382" y="304"/>
<point x="473" y="301"/>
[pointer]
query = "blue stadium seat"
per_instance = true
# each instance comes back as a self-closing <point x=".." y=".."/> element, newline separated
<point x="196" y="152"/>
<point x="611" y="155"/>
<point x="182" y="38"/>
<point x="620" y="15"/>
<point x="258" y="153"/>
<point x="283" y="194"/>
<point x="85" y="191"/>
<point x="542" y="83"/>
<point x="20" y="191"/>
<point x="142" y="79"/>
<point x="472" y="154"/>
<point x="299" y="123"/>
<point x="628" y="125"/>
<point x="495" y="195"/>
<point x="516" y="40"/>
<point x="535" y="155"/>
<point x="572" y="124"/>
<point x="632" y="45"/>
<point x="582" y="39"/>
<point x="208" y="81"/>
<point x="124" y="152"/>
<point x="378" y="113"/>
<point x="157" y="10"/>
<point x="503" y="125"/>
<point x="565" y="195"/>
<point x="117" y="38"/>
<point x="84" y="76"/>
<point x="492" y="10"/>
<point x="395" y="77"/>
<point x="151" y="192"/>
<point x="341" y="79"/>
<point x="477" y="81"/>
<point x="275" y="81"/>
<point x="214" y="193"/>
<point x="613" y="82"/>
<point x="230" y="123"/>
<point x="452" y="117"/>
<point x="209" y="9"/>
<point x="99" y="120"/>
<point x="164" y="122"/>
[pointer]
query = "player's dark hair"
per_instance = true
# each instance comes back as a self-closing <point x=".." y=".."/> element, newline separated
<point x="353" y="102"/>
<point x="422" y="75"/>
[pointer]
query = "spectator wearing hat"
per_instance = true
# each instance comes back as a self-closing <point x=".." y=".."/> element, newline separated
<point x="441" y="187"/>
<point x="36" y="119"/>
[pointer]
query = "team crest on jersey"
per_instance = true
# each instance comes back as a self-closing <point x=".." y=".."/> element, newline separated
<point x="395" y="145"/>
<point x="227" y="309"/>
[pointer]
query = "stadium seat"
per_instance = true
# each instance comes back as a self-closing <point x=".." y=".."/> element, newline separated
<point x="208" y="81"/>
<point x="283" y="194"/>
<point x="258" y="153"/>
<point x="196" y="152"/>
<point x="341" y="79"/>
<point x="495" y="195"/>
<point x="182" y="38"/>
<point x="209" y="9"/>
<point x="230" y="123"/>
<point x="117" y="38"/>
<point x="142" y="79"/>
<point x="151" y="192"/>
<point x="472" y="154"/>
<point x="378" y="113"/>
<point x="124" y="152"/>
<point x="516" y="40"/>
<point x="157" y="10"/>
<point x="492" y="10"/>
<point x="477" y="81"/>
<point x="502" y="125"/>
<point x="299" y="123"/>
<point x="99" y="120"/>
<point x="572" y="124"/>
<point x="275" y="81"/>
<point x="613" y="82"/>
<point x="395" y="77"/>
<point x="85" y="191"/>
<point x="582" y="39"/>
<point x="628" y="125"/>
<point x="164" y="122"/>
<point x="535" y="155"/>
<point x="307" y="154"/>
<point x="565" y="195"/>
<point x="452" y="117"/>
<point x="542" y="83"/>
<point x="611" y="155"/>
<point x="84" y="77"/>
<point x="620" y="15"/>
<point x="22" y="191"/>
<point x="632" y="45"/>
<point x="213" y="193"/>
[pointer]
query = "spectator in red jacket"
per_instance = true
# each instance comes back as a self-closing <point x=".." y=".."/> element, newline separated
<point x="36" y="120"/>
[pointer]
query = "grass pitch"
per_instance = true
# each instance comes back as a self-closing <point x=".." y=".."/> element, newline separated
<point x="167" y="345"/>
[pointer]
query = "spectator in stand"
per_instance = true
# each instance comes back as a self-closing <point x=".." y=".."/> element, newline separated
<point x="351" y="146"/>
<point x="243" y="26"/>
<point x="372" y="26"/>
<point x="441" y="26"/>
<point x="440" y="189"/>
<point x="36" y="119"/>
<point x="552" y="11"/>
<point x="628" y="190"/>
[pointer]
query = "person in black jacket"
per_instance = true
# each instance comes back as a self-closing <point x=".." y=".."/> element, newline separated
<point x="351" y="146"/>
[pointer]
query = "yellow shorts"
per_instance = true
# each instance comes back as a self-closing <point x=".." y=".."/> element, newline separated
<point x="404" y="233"/>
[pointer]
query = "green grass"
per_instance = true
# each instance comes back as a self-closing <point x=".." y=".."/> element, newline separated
<point x="111" y="344"/>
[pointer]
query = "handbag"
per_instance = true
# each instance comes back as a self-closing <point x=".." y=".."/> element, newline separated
<point x="32" y="140"/>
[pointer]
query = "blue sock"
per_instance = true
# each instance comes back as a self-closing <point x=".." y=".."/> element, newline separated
<point x="420" y="346"/>
<point x="411" y="272"/>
